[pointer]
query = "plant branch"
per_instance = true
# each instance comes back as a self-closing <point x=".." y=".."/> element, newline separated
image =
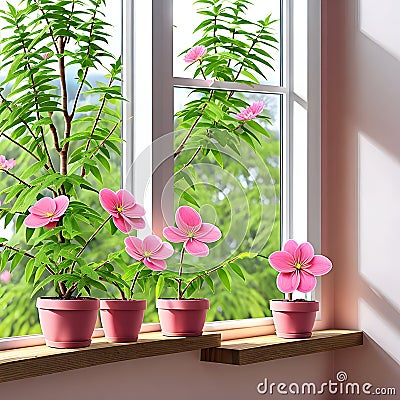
<point x="134" y="283"/>
<point x="186" y="138"/>
<point x="180" y="293"/>
<point x="88" y="241"/>
<point x="50" y="27"/>
<point x="105" y="139"/>
<point x="96" y="122"/>
<point x="27" y="255"/>
<point x="35" y="93"/>
<point x="21" y="146"/>
<point x="54" y="132"/>
<point x="16" y="177"/>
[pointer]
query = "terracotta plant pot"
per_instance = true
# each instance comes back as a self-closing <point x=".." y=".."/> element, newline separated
<point x="122" y="319"/>
<point x="182" y="317"/>
<point x="294" y="319"/>
<point x="68" y="324"/>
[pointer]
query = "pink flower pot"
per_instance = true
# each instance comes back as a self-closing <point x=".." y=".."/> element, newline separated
<point x="122" y="319"/>
<point x="67" y="324"/>
<point x="294" y="319"/>
<point x="182" y="317"/>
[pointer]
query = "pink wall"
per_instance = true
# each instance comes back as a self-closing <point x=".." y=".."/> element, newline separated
<point x="361" y="219"/>
<point x="362" y="181"/>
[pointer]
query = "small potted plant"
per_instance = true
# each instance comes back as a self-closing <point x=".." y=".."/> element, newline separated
<point x="182" y="315"/>
<point x="298" y="267"/>
<point x="122" y="318"/>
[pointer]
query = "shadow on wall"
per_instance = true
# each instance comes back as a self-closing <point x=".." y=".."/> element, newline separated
<point x="363" y="151"/>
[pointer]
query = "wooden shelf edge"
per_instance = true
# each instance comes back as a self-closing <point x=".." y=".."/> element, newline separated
<point x="266" y="348"/>
<point x="41" y="360"/>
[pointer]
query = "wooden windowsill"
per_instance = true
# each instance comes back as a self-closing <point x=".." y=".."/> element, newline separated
<point x="266" y="348"/>
<point x="42" y="360"/>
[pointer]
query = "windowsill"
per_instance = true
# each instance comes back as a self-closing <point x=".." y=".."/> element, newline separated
<point x="42" y="360"/>
<point x="35" y="361"/>
<point x="270" y="347"/>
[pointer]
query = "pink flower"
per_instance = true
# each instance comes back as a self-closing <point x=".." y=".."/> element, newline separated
<point x="298" y="267"/>
<point x="47" y="212"/>
<point x="151" y="251"/>
<point x="7" y="164"/>
<point x="126" y="213"/>
<point x="250" y="112"/>
<point x="192" y="232"/>
<point x="194" y="54"/>
<point x="5" y="276"/>
<point x="45" y="56"/>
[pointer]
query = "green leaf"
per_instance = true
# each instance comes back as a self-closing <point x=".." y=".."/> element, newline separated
<point x="30" y="265"/>
<point x="159" y="286"/>
<point x="209" y="282"/>
<point x="218" y="157"/>
<point x="224" y="278"/>
<point x="237" y="270"/>
<point x="189" y="199"/>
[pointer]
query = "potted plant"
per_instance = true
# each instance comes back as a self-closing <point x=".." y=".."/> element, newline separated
<point x="62" y="144"/>
<point x="122" y="318"/>
<point x="183" y="315"/>
<point x="298" y="267"/>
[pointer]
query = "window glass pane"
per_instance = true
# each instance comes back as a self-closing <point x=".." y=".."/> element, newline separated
<point x="187" y="18"/>
<point x="18" y="314"/>
<point x="242" y="199"/>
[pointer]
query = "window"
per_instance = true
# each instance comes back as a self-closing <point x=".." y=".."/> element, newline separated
<point x="162" y="87"/>
<point x="279" y="184"/>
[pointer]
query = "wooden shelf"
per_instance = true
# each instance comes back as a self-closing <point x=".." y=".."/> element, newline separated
<point x="265" y="348"/>
<point x="42" y="360"/>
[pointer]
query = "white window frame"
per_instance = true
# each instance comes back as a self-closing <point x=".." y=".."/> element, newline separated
<point x="155" y="70"/>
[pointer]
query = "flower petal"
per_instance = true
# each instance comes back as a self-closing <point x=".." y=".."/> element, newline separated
<point x="43" y="206"/>
<point x="151" y="243"/>
<point x="304" y="253"/>
<point x="174" y="235"/>
<point x="134" y="211"/>
<point x="108" y="199"/>
<point x="35" y="221"/>
<point x="62" y="203"/>
<point x="134" y="254"/>
<point x="51" y="224"/>
<point x="155" y="265"/>
<point x="208" y="233"/>
<point x="125" y="198"/>
<point x="135" y="223"/>
<point x="307" y="281"/>
<point x="288" y="282"/>
<point x="196" y="248"/>
<point x="187" y="219"/>
<point x="319" y="265"/>
<point x="135" y="244"/>
<point x="122" y="224"/>
<point x="290" y="246"/>
<point x="165" y="251"/>
<point x="282" y="261"/>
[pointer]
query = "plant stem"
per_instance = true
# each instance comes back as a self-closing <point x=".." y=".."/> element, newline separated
<point x="186" y="138"/>
<point x="180" y="293"/>
<point x="88" y="241"/>
<point x="20" y="145"/>
<point x="290" y="296"/>
<point x="16" y="177"/>
<point x="6" y="246"/>
<point x="134" y="283"/>
<point x="208" y="273"/>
